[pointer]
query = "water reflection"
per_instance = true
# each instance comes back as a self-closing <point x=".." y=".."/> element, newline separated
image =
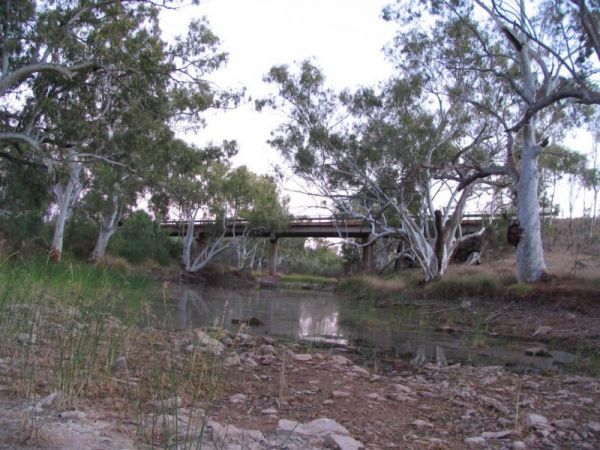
<point x="327" y="319"/>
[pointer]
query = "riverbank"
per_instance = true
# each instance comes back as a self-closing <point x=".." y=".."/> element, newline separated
<point x="83" y="364"/>
<point x="258" y="393"/>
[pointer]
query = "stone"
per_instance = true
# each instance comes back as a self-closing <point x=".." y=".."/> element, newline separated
<point x="537" y="351"/>
<point x="420" y="423"/>
<point x="403" y="388"/>
<point x="120" y="363"/>
<point x="375" y="397"/>
<point x="267" y="349"/>
<point x="342" y="442"/>
<point x="565" y="424"/>
<point x="497" y="434"/>
<point x="208" y="344"/>
<point x="541" y="330"/>
<point x="50" y="399"/>
<point x="267" y="360"/>
<point x="72" y="415"/>
<point x="237" y="398"/>
<point x="360" y="370"/>
<point x="340" y="394"/>
<point x="594" y="427"/>
<point x="495" y="404"/>
<point x="233" y="434"/>
<point x="536" y="421"/>
<point x="233" y="360"/>
<point x="26" y="338"/>
<point x="475" y="441"/>
<point x="167" y="404"/>
<point x="341" y="360"/>
<point x="518" y="445"/>
<point x="268" y="411"/>
<point x="317" y="428"/>
<point x="301" y="357"/>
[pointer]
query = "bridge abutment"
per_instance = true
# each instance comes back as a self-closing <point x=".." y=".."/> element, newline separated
<point x="273" y="256"/>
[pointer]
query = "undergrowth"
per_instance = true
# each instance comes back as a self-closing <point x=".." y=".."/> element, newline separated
<point x="73" y="330"/>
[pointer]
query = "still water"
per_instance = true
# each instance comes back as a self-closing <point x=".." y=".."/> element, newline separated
<point x="381" y="336"/>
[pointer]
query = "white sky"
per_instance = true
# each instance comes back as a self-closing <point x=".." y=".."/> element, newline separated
<point x="345" y="38"/>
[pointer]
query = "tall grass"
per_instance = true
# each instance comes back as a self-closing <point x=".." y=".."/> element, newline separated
<point x="75" y="330"/>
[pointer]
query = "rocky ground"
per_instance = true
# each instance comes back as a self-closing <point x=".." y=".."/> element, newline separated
<point x="275" y="395"/>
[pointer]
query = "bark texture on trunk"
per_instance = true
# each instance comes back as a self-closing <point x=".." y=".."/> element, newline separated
<point x="65" y="198"/>
<point x="530" y="251"/>
<point x="108" y="226"/>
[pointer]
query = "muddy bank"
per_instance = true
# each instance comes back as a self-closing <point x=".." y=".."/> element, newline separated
<point x="274" y="395"/>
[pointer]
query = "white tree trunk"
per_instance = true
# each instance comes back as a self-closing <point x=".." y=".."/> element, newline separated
<point x="108" y="226"/>
<point x="65" y="198"/>
<point x="530" y="251"/>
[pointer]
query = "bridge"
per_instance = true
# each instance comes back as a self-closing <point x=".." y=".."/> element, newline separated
<point x="300" y="227"/>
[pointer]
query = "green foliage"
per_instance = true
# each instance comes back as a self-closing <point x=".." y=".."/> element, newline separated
<point x="23" y="228"/>
<point x="81" y="236"/>
<point x="141" y="239"/>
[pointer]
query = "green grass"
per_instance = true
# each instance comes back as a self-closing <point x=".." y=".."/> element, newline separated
<point x="64" y="327"/>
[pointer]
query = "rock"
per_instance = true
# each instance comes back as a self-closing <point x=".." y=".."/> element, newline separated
<point x="268" y="340"/>
<point x="342" y="442"/>
<point x="594" y="427"/>
<point x="268" y="411"/>
<point x="26" y="338"/>
<point x="565" y="424"/>
<point x="518" y="445"/>
<point x="537" y="351"/>
<point x="495" y="404"/>
<point x="233" y="360"/>
<point x="120" y="363"/>
<point x="475" y="441"/>
<point x="267" y="349"/>
<point x="267" y="360"/>
<point x="209" y="344"/>
<point x="375" y="397"/>
<point x="360" y="370"/>
<point x="570" y="316"/>
<point x="72" y="415"/>
<point x="399" y="397"/>
<point x="536" y="421"/>
<point x="419" y="423"/>
<point x="301" y="357"/>
<point x="233" y="434"/>
<point x="167" y="404"/>
<point x="237" y="398"/>
<point x="497" y="434"/>
<point x="50" y="400"/>
<point x="341" y="360"/>
<point x="317" y="428"/>
<point x="252" y="321"/>
<point x="403" y="388"/>
<point x="541" y="330"/>
<point x="340" y="394"/>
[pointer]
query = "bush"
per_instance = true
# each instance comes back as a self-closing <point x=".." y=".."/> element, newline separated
<point x="463" y="286"/>
<point x="141" y="239"/>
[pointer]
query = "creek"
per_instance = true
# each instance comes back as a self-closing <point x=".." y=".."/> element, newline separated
<point x="385" y="338"/>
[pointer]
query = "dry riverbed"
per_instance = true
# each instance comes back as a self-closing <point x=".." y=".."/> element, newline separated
<point x="275" y="395"/>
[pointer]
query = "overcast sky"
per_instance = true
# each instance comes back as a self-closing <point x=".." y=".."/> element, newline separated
<point x="345" y="38"/>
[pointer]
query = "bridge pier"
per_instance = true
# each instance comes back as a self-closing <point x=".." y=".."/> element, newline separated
<point x="273" y="255"/>
<point x="367" y="257"/>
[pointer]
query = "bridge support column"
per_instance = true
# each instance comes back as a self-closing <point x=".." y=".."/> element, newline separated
<point x="273" y="256"/>
<point x="367" y="259"/>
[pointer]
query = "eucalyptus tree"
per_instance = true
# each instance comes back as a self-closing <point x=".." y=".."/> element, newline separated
<point x="534" y="61"/>
<point x="75" y="74"/>
<point x="380" y="156"/>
